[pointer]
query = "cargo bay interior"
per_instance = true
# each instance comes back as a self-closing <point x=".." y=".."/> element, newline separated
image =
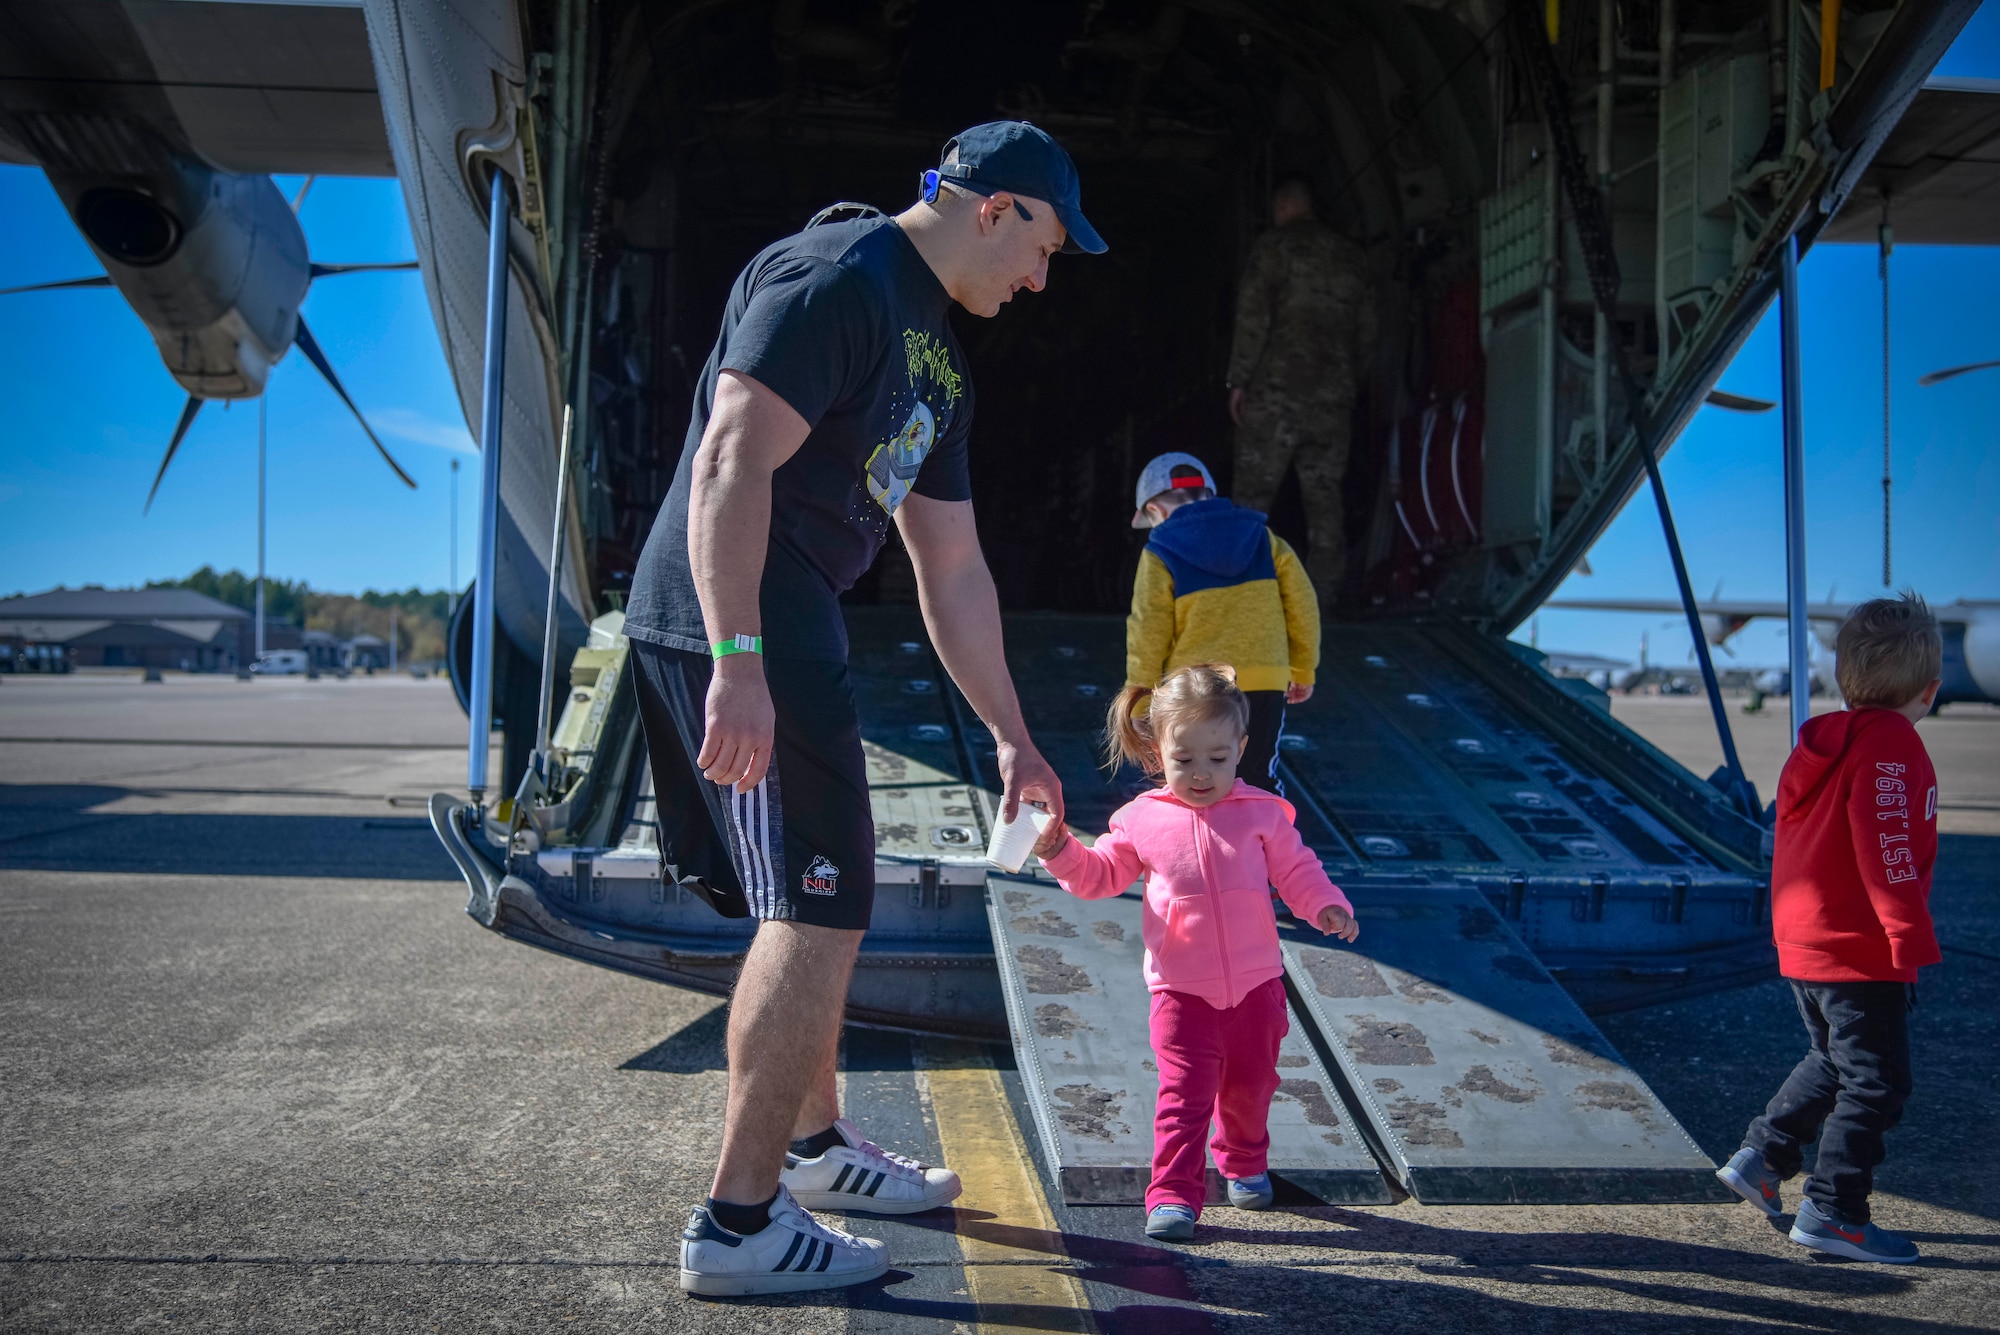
<point x="726" y="125"/>
<point x="1180" y="117"/>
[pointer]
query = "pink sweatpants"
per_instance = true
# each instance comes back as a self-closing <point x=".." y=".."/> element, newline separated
<point x="1219" y="1065"/>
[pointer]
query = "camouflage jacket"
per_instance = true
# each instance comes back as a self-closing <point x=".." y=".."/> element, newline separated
<point x="1304" y="318"/>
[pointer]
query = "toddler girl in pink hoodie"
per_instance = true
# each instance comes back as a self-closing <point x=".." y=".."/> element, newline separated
<point x="1209" y="846"/>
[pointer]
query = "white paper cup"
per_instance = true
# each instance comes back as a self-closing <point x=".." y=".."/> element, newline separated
<point x="1014" y="840"/>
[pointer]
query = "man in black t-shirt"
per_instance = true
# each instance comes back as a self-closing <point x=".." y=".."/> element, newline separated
<point x="836" y="400"/>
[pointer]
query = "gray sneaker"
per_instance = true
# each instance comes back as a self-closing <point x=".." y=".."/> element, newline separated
<point x="1746" y="1175"/>
<point x="1170" y="1223"/>
<point x="1252" y="1193"/>
<point x="1818" y="1230"/>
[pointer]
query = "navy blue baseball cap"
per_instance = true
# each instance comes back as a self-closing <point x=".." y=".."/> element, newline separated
<point x="1023" y="160"/>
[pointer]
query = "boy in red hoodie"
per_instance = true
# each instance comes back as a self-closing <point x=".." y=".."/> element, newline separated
<point x="1850" y="891"/>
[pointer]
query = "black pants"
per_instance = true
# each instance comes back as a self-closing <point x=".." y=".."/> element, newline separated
<point x="1847" y="1091"/>
<point x="1260" y="757"/>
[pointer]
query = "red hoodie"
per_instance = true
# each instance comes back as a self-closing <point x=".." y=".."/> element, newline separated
<point x="1856" y="840"/>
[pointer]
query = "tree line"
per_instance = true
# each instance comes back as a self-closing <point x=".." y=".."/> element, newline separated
<point x="421" y="616"/>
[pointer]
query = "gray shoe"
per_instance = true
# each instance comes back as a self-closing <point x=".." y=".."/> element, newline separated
<point x="1816" y="1229"/>
<point x="1252" y="1193"/>
<point x="1170" y="1223"/>
<point x="1746" y="1175"/>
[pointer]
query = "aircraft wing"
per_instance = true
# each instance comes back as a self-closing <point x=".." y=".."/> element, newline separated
<point x="1729" y="610"/>
<point x="1940" y="167"/>
<point x="248" y="88"/>
<point x="1562" y="662"/>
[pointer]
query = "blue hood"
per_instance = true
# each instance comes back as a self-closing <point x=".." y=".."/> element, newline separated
<point x="1215" y="539"/>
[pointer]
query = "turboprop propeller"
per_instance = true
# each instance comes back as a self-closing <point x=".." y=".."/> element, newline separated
<point x="1935" y="376"/>
<point x="139" y="238"/>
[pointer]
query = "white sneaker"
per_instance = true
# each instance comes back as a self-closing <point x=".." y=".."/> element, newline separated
<point x="792" y="1253"/>
<point x="863" y="1176"/>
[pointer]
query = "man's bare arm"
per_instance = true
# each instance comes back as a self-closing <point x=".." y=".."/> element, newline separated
<point x="751" y="431"/>
<point x="962" y="612"/>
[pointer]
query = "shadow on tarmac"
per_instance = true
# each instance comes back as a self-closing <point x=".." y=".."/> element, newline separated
<point x="63" y="827"/>
<point x="699" y="1046"/>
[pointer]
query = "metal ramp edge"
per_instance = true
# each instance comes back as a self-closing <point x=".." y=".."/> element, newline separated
<point x="1480" y="1078"/>
<point x="1077" y="1006"/>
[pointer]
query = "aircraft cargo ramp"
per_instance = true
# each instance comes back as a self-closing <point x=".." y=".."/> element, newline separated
<point x="1511" y="852"/>
<point x="1455" y="801"/>
<point x="1480" y="1078"/>
<point x="1472" y="1076"/>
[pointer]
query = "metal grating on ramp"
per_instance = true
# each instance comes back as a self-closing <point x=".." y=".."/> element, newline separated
<point x="1482" y="1078"/>
<point x="1078" y="1004"/>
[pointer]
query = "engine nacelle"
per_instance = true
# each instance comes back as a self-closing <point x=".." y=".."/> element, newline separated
<point x="214" y="264"/>
<point x="1982" y="649"/>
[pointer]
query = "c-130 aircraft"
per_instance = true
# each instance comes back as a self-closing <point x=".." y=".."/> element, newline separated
<point x="1575" y="211"/>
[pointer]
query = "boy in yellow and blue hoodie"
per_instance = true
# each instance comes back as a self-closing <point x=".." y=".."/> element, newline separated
<point x="1215" y="585"/>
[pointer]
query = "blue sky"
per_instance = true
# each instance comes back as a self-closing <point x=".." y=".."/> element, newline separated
<point x="91" y="408"/>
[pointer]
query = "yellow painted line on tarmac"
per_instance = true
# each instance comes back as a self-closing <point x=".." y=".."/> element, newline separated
<point x="1004" y="1222"/>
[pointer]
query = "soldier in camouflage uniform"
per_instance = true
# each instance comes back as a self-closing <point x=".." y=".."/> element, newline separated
<point x="1305" y="326"/>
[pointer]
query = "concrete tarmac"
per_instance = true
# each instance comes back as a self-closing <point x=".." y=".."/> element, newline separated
<point x="261" y="1073"/>
<point x="1963" y="739"/>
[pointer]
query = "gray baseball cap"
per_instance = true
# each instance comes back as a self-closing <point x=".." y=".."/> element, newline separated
<point x="1158" y="476"/>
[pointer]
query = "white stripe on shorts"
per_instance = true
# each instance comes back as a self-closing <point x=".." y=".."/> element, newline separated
<point x="750" y="815"/>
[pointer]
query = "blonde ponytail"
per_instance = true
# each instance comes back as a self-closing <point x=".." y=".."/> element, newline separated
<point x="1199" y="691"/>
<point x="1128" y="735"/>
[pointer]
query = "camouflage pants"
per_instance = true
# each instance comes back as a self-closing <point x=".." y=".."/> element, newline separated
<point x="1315" y="438"/>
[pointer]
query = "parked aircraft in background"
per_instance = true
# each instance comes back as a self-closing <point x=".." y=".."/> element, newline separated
<point x="1971" y="636"/>
<point x="1618" y="674"/>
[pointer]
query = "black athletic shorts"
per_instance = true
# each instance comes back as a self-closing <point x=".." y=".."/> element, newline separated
<point x="800" y="846"/>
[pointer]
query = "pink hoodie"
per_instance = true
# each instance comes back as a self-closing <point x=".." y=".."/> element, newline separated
<point x="1210" y="930"/>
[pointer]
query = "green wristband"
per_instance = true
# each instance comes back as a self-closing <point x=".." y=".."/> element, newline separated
<point x="742" y="644"/>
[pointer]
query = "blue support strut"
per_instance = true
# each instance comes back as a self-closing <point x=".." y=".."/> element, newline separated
<point x="490" y="413"/>
<point x="1739" y="783"/>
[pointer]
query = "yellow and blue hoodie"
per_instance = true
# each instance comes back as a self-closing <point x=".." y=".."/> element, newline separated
<point x="1215" y="585"/>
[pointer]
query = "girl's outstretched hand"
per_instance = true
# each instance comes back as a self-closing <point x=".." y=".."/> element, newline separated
<point x="1053" y="836"/>
<point x="1336" y="921"/>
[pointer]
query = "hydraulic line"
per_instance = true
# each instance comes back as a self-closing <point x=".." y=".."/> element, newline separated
<point x="545" y="697"/>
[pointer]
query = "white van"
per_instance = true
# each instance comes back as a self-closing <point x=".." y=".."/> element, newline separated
<point x="281" y="663"/>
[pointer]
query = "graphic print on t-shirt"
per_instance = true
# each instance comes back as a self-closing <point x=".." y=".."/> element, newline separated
<point x="848" y="325"/>
<point x="894" y="466"/>
<point x="895" y="463"/>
